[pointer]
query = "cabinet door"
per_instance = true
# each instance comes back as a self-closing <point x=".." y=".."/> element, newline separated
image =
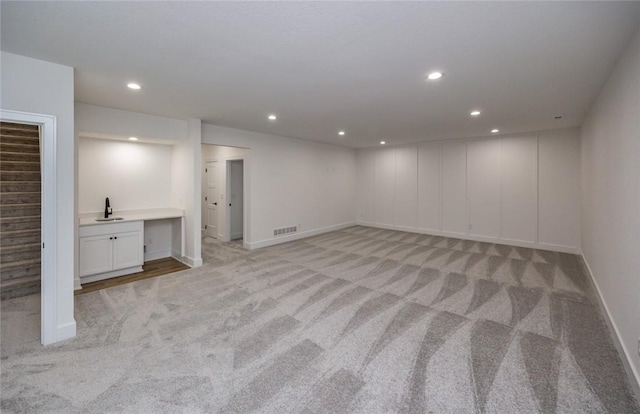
<point x="127" y="250"/>
<point x="96" y="255"/>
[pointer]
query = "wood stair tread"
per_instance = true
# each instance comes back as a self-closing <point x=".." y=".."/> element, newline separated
<point x="20" y="248"/>
<point x="7" y="233"/>
<point x="19" y="219"/>
<point x="21" y="205"/>
<point x="20" y="282"/>
<point x="21" y="263"/>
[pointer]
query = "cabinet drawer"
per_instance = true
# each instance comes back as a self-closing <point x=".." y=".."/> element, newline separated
<point x="110" y="228"/>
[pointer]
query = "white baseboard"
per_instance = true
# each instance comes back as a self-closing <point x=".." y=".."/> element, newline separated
<point x="66" y="331"/>
<point x="630" y="369"/>
<point x="109" y="275"/>
<point x="296" y="236"/>
<point x="432" y="232"/>
<point x="191" y="262"/>
<point x="161" y="254"/>
<point x="77" y="285"/>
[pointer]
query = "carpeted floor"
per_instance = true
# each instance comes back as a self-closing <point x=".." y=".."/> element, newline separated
<point x="359" y="320"/>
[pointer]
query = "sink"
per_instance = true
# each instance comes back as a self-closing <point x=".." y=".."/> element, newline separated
<point x="110" y="219"/>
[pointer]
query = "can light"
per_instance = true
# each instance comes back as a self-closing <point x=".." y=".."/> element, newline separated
<point x="134" y="86"/>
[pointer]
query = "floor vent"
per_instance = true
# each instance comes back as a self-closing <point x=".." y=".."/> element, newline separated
<point x="285" y="230"/>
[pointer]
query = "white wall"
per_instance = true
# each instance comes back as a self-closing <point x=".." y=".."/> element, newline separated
<point x="291" y="182"/>
<point x="185" y="189"/>
<point x="133" y="175"/>
<point x="109" y="122"/>
<point x="36" y="86"/>
<point x="518" y="190"/>
<point x="610" y="238"/>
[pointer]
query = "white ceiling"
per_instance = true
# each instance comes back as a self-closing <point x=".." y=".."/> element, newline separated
<point x="326" y="66"/>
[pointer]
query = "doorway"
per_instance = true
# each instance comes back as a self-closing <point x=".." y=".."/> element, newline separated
<point x="235" y="189"/>
<point x="50" y="295"/>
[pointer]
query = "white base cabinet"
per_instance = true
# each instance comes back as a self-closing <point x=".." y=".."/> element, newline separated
<point x="110" y="250"/>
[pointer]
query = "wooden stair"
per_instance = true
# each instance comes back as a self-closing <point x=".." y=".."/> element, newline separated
<point x="20" y="204"/>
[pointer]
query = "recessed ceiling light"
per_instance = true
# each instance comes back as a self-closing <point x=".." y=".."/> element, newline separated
<point x="341" y="132"/>
<point x="435" y="75"/>
<point x="133" y="139"/>
<point x="475" y="113"/>
<point x="272" y="117"/>
<point x="133" y="85"/>
<point x="382" y="142"/>
<point x="495" y="131"/>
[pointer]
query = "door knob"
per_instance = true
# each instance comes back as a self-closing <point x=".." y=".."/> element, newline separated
<point x="215" y="204"/>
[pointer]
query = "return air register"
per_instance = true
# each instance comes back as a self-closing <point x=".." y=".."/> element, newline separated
<point x="285" y="230"/>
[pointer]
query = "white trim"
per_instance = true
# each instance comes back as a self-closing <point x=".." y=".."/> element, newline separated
<point x="296" y="236"/>
<point x="627" y="361"/>
<point x="431" y="232"/>
<point x="112" y="274"/>
<point x="191" y="262"/>
<point x="50" y="331"/>
<point x="160" y="254"/>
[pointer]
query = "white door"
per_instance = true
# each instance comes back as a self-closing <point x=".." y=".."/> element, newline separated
<point x="236" y="199"/>
<point x="212" y="198"/>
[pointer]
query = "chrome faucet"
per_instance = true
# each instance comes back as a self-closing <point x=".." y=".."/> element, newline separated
<point x="107" y="208"/>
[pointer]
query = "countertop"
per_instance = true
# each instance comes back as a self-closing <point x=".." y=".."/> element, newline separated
<point x="89" y="219"/>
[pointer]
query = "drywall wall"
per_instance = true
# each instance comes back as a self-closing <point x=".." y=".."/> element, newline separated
<point x="133" y="175"/>
<point x="185" y="189"/>
<point x="610" y="195"/>
<point x="36" y="86"/>
<point x="221" y="154"/>
<point x="489" y="189"/>
<point x="291" y="182"/>
<point x="99" y="121"/>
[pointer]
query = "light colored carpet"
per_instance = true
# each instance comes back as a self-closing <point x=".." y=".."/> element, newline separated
<point x="359" y="320"/>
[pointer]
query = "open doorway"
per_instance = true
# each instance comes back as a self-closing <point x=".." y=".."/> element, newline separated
<point x="41" y="216"/>
<point x="224" y="198"/>
<point x="235" y="189"/>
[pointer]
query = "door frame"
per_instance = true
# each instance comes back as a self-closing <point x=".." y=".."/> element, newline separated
<point x="227" y="192"/>
<point x="48" y="213"/>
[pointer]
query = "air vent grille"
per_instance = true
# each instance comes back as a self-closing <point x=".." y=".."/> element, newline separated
<point x="285" y="230"/>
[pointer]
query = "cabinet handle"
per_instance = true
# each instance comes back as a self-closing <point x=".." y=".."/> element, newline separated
<point x="110" y="238"/>
<point x="116" y="238"/>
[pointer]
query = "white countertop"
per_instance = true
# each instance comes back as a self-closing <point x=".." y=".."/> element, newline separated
<point x="89" y="219"/>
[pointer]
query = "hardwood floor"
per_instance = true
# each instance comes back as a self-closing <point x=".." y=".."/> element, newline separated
<point x="150" y="269"/>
